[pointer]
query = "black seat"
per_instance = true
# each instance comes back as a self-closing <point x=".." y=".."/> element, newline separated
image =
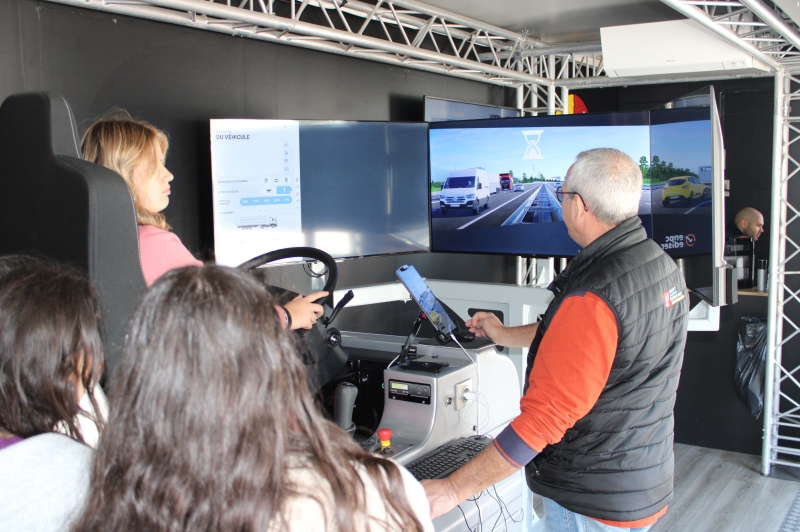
<point x="53" y="203"/>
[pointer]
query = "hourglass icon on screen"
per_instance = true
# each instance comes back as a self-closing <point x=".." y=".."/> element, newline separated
<point x="532" y="137"/>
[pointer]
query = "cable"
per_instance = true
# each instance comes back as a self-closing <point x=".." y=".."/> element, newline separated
<point x="510" y="516"/>
<point x="465" y="518"/>
<point x="478" y="506"/>
<point x="393" y="361"/>
<point x="312" y="273"/>
<point x="480" y="399"/>
<point x="505" y="524"/>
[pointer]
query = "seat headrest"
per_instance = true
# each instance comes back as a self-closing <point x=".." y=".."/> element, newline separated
<point x="42" y="122"/>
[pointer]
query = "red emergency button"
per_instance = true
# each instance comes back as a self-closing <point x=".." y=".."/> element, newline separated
<point x="385" y="436"/>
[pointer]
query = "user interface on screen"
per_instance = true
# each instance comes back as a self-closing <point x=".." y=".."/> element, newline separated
<point x="422" y="294"/>
<point x="494" y="182"/>
<point x="349" y="188"/>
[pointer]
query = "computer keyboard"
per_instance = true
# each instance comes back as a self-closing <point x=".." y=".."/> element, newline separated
<point x="443" y="461"/>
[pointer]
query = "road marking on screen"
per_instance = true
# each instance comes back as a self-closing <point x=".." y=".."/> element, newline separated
<point x="697" y="206"/>
<point x="518" y="214"/>
<point x="487" y="213"/>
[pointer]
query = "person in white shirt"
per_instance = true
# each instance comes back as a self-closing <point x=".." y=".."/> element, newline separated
<point x="51" y="358"/>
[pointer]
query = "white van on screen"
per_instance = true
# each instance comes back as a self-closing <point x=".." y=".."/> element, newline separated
<point x="468" y="188"/>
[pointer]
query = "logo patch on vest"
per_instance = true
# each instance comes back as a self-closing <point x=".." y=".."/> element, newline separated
<point x="672" y="296"/>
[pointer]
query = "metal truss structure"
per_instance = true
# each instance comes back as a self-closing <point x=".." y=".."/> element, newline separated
<point x="781" y="444"/>
<point x="768" y="34"/>
<point x="411" y="34"/>
<point x="406" y="33"/>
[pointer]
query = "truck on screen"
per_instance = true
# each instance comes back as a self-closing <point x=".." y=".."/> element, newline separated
<point x="506" y="182"/>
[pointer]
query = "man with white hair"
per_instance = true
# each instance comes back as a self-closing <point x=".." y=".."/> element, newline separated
<point x="595" y="430"/>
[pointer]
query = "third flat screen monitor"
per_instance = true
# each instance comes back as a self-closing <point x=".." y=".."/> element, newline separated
<point x="494" y="182"/>
<point x="681" y="170"/>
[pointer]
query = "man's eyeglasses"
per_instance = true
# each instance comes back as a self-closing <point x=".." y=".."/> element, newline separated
<point x="561" y="193"/>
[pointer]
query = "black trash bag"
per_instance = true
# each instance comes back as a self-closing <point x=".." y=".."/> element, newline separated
<point x="751" y="359"/>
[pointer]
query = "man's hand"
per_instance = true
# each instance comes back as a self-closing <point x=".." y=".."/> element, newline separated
<point x="304" y="311"/>
<point x="442" y="496"/>
<point x="486" y="324"/>
<point x="488" y="468"/>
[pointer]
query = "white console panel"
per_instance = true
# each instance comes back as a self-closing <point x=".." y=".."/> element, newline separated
<point x="421" y="426"/>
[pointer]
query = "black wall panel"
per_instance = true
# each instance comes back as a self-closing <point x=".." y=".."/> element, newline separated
<point x="707" y="411"/>
<point x="178" y="78"/>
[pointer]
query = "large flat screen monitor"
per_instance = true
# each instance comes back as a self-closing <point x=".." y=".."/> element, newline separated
<point x="352" y="189"/>
<point x="680" y="174"/>
<point x="493" y="182"/>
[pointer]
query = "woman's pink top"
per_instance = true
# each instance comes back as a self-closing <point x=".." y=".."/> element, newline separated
<point x="162" y="251"/>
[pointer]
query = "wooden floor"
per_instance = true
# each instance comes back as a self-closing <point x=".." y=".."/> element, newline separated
<point x="721" y="491"/>
<point x="724" y="491"/>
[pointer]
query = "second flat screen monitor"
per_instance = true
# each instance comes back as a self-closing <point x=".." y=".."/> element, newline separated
<point x="494" y="182"/>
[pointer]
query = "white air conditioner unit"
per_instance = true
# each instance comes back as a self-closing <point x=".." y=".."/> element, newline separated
<point x="673" y="47"/>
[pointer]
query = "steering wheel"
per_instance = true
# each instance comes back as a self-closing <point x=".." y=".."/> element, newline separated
<point x="290" y="253"/>
<point x="320" y="347"/>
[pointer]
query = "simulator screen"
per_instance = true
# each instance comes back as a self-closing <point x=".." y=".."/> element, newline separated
<point x="680" y="174"/>
<point x="493" y="182"/>
<point x="351" y="189"/>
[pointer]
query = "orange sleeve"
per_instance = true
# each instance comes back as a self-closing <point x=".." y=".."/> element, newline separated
<point x="570" y="370"/>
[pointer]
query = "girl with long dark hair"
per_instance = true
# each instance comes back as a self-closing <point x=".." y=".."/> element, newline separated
<point x="50" y="357"/>
<point x="213" y="427"/>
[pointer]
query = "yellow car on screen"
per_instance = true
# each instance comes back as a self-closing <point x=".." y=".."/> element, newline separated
<point x="684" y="188"/>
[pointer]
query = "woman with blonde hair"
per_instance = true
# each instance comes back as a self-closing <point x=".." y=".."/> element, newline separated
<point x="137" y="151"/>
<point x="213" y="427"/>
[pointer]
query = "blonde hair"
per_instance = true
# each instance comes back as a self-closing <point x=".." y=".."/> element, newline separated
<point x="120" y="143"/>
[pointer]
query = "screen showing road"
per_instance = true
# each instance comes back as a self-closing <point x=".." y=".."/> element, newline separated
<point x="494" y="182"/>
<point x="351" y="189"/>
<point x="422" y="294"/>
<point x="680" y="174"/>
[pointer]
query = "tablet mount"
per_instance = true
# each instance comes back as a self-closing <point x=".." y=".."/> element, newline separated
<point x="409" y="349"/>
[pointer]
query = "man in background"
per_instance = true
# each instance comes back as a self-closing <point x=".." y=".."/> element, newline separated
<point x="750" y="222"/>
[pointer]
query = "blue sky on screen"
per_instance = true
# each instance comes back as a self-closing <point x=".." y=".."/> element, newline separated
<point x="499" y="150"/>
<point x="684" y="144"/>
